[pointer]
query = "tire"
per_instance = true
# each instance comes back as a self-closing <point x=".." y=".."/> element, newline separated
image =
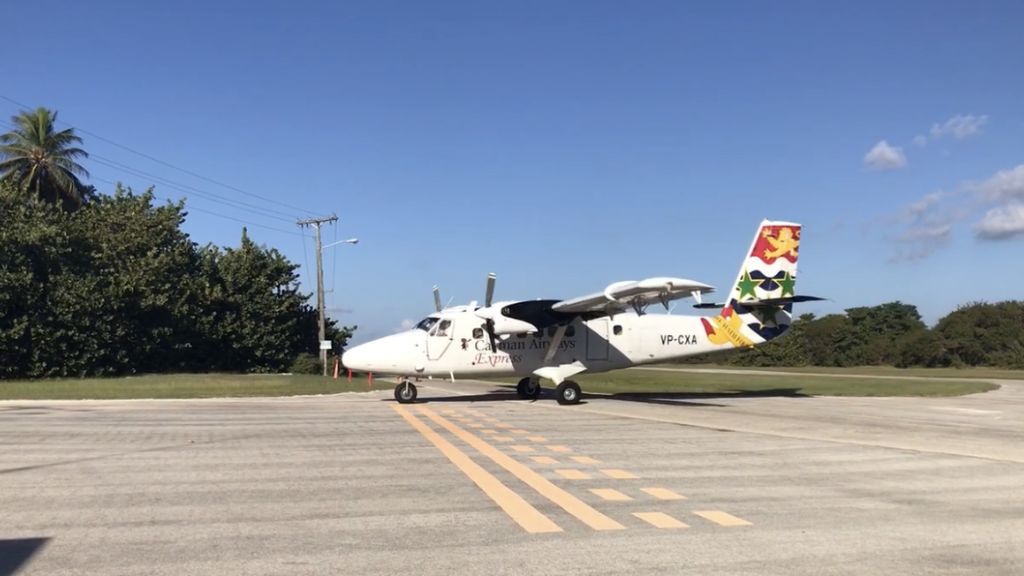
<point x="533" y="389"/>
<point x="568" y="392"/>
<point x="522" y="388"/>
<point x="406" y="393"/>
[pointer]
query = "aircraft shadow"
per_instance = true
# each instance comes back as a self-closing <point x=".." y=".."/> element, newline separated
<point x="507" y="393"/>
<point x="14" y="553"/>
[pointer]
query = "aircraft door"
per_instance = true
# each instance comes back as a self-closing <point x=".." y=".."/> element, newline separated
<point x="597" y="339"/>
<point x="439" y="339"/>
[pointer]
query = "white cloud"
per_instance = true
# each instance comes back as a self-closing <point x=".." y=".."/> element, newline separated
<point x="960" y="126"/>
<point x="922" y="206"/>
<point x="920" y="140"/>
<point x="1003" y="185"/>
<point x="1001" y="222"/>
<point x="885" y="157"/>
<point x="406" y="324"/>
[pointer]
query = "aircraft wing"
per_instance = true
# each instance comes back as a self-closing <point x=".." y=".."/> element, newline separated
<point x="635" y="294"/>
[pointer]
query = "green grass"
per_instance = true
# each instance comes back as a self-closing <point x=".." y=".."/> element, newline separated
<point x="180" y="386"/>
<point x="957" y="373"/>
<point x="640" y="381"/>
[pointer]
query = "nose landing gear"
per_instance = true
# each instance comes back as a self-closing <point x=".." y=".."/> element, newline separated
<point x="405" y="392"/>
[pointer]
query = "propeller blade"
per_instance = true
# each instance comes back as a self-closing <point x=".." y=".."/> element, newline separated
<point x="437" y="299"/>
<point x="490" y="289"/>
<point x="490" y="332"/>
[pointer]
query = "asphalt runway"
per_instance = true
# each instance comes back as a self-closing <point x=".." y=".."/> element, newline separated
<point x="473" y="481"/>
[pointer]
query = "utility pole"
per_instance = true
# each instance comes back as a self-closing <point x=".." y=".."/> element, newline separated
<point x="316" y="223"/>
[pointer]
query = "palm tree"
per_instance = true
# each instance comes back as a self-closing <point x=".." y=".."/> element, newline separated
<point x="38" y="160"/>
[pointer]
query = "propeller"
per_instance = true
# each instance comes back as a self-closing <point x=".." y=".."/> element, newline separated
<point x="489" y="322"/>
<point x="437" y="299"/>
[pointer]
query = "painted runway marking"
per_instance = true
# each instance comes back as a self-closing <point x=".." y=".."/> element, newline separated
<point x="585" y="460"/>
<point x="571" y="504"/>
<point x="660" y="520"/>
<point x="572" y="474"/>
<point x="518" y="431"/>
<point x="559" y="448"/>
<point x="522" y="449"/>
<point x="503" y="438"/>
<point x="544" y="460"/>
<point x="540" y="439"/>
<point x="610" y="494"/>
<point x="663" y="494"/>
<point x="721" y="518"/>
<point x="531" y="519"/>
<point x="618" y="474"/>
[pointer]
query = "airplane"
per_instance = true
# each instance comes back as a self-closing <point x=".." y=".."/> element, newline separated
<point x="607" y="330"/>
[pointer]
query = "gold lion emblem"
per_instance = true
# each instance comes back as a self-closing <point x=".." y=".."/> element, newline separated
<point x="782" y="244"/>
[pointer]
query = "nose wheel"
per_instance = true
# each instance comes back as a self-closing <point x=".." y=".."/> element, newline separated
<point x="528" y="389"/>
<point x="405" y="392"/>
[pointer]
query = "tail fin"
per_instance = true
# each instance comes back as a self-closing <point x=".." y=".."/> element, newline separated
<point x="760" y="305"/>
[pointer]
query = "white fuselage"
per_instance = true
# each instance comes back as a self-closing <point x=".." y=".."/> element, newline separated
<point x="464" y="348"/>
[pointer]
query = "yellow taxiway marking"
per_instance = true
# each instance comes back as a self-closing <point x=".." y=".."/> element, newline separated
<point x="518" y="431"/>
<point x="585" y="460"/>
<point x="503" y="425"/>
<point x="558" y="448"/>
<point x="537" y="439"/>
<point x="524" y="514"/>
<point x="522" y="448"/>
<point x="487" y="431"/>
<point x="571" y="504"/>
<point x="659" y="520"/>
<point x="544" y="460"/>
<point x="721" y="518"/>
<point x="610" y="494"/>
<point x="618" y="474"/>
<point x="503" y="438"/>
<point x="573" y="474"/>
<point x="663" y="494"/>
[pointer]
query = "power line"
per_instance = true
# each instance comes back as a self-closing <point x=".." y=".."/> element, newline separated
<point x="217" y="214"/>
<point x="167" y="164"/>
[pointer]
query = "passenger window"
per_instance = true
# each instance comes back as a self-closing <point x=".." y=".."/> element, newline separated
<point x="617" y="329"/>
<point x="570" y="331"/>
<point x="478" y="333"/>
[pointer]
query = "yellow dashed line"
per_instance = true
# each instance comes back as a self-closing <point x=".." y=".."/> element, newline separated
<point x="503" y="425"/>
<point x="503" y="438"/>
<point x="558" y="448"/>
<point x="721" y="518"/>
<point x="659" y="520"/>
<point x="663" y="494"/>
<point x="585" y="460"/>
<point x="571" y="504"/>
<point x="610" y="494"/>
<point x="618" y="474"/>
<point x="522" y="449"/>
<point x="518" y="431"/>
<point x="544" y="460"/>
<point x="572" y="474"/>
<point x="487" y="431"/>
<point x="531" y="519"/>
<point x="537" y="439"/>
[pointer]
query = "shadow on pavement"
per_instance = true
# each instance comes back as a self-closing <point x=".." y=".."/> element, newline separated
<point x="16" y="552"/>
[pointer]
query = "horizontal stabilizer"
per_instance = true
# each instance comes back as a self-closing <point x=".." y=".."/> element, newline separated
<point x="764" y="302"/>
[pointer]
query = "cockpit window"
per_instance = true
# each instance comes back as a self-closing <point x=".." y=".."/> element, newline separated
<point x="442" y="328"/>
<point x="426" y="324"/>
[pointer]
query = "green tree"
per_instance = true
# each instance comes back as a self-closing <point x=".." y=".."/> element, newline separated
<point x="42" y="162"/>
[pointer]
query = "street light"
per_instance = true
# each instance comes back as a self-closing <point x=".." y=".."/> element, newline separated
<point x="320" y="292"/>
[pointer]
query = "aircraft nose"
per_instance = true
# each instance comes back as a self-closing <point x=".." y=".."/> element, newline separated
<point x="357" y="358"/>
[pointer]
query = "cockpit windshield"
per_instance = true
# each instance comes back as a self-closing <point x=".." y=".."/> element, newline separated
<point x="426" y="324"/>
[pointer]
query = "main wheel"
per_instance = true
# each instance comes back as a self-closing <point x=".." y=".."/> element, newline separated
<point x="405" y="393"/>
<point x="568" y="392"/>
<point x="521" y="387"/>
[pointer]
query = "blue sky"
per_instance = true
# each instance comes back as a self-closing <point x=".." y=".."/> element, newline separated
<point x="562" y="145"/>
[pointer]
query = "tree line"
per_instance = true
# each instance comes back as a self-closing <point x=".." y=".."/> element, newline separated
<point x="893" y="334"/>
<point x="95" y="284"/>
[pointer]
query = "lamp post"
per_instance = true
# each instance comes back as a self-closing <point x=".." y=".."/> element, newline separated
<point x="320" y="292"/>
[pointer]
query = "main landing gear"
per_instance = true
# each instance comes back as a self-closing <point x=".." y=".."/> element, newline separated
<point x="568" y="392"/>
<point x="528" y="389"/>
<point x="405" y="392"/>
